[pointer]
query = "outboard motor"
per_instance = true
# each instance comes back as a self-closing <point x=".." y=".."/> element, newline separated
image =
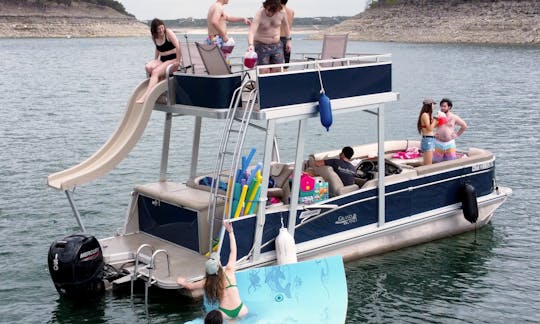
<point x="76" y="266"/>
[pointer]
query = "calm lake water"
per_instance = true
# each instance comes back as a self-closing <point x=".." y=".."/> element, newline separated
<point x="62" y="99"/>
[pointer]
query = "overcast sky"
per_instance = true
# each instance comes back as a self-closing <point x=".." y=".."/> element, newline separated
<point x="172" y="9"/>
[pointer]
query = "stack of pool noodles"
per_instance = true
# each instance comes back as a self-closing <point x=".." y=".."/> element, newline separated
<point x="245" y="192"/>
<point x="247" y="188"/>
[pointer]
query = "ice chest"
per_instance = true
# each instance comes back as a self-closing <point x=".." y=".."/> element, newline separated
<point x="207" y="91"/>
<point x="321" y="189"/>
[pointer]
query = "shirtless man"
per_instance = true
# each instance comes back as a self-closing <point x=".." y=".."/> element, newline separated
<point x="217" y="23"/>
<point x="282" y="37"/>
<point x="445" y="145"/>
<point x="264" y="34"/>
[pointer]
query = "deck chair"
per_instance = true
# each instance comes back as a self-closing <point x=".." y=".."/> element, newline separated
<point x="213" y="59"/>
<point x="191" y="60"/>
<point x="334" y="47"/>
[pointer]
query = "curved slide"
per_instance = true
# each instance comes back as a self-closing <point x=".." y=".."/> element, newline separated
<point x="127" y="134"/>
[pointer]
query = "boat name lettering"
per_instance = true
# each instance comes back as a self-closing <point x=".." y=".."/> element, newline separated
<point x="89" y="253"/>
<point x="346" y="220"/>
<point x="482" y="166"/>
<point x="309" y="213"/>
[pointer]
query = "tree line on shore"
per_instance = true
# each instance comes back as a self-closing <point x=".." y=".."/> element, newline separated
<point x="298" y="22"/>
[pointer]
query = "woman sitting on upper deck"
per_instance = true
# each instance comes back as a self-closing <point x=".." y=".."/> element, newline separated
<point x="167" y="52"/>
<point x="426" y="125"/>
<point x="220" y="283"/>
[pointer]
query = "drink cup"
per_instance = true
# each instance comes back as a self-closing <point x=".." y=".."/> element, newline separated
<point x="250" y="59"/>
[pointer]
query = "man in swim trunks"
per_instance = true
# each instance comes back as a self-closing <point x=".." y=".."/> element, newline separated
<point x="282" y="37"/>
<point x="217" y="24"/>
<point x="445" y="145"/>
<point x="264" y="34"/>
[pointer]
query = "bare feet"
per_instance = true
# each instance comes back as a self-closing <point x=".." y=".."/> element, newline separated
<point x="140" y="101"/>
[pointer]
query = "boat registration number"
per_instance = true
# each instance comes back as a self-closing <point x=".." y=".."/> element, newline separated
<point x="482" y="166"/>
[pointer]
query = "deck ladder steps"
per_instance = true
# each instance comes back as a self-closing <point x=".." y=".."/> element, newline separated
<point x="229" y="153"/>
<point x="146" y="272"/>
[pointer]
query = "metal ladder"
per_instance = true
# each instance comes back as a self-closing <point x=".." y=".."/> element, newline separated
<point x="150" y="266"/>
<point x="230" y="150"/>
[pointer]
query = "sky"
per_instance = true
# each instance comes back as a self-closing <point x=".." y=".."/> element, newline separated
<point x="173" y="9"/>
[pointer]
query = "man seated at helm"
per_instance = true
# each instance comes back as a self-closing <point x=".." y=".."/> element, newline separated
<point x="342" y="166"/>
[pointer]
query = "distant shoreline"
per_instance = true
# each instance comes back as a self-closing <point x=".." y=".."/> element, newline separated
<point x="239" y="31"/>
<point x="478" y="21"/>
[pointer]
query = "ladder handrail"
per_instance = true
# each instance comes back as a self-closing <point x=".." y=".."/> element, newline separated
<point x="150" y="281"/>
<point x="135" y="275"/>
<point x="235" y="159"/>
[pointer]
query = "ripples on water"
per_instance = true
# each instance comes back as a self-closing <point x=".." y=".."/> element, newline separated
<point x="62" y="99"/>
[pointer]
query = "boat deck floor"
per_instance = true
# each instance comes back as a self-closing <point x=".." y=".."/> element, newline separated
<point x="121" y="250"/>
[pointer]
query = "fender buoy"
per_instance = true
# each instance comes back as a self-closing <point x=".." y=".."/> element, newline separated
<point x="285" y="247"/>
<point x="325" y="110"/>
<point x="469" y="203"/>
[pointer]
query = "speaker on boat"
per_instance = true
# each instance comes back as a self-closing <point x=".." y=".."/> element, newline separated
<point x="469" y="202"/>
<point x="76" y="266"/>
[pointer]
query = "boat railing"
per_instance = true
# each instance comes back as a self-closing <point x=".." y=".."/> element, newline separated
<point x="351" y="59"/>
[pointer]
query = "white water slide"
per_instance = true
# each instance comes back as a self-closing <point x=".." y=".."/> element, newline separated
<point x="127" y="134"/>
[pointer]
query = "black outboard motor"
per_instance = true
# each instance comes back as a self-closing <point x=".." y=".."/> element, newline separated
<point x="76" y="266"/>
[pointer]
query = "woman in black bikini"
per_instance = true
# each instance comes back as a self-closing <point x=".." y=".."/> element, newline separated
<point x="167" y="52"/>
<point x="220" y="282"/>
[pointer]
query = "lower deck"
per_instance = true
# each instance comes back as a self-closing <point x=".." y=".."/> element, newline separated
<point x="120" y="251"/>
<point x="174" y="216"/>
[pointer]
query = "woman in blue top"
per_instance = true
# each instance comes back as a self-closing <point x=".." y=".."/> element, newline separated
<point x="220" y="283"/>
<point x="167" y="52"/>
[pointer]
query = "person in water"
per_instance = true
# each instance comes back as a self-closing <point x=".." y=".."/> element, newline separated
<point x="213" y="317"/>
<point x="264" y="34"/>
<point x="220" y="283"/>
<point x="445" y="144"/>
<point x="342" y="166"/>
<point x="167" y="52"/>
<point x="426" y="125"/>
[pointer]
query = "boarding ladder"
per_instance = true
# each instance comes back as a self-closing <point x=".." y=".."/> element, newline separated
<point x="230" y="152"/>
<point x="145" y="272"/>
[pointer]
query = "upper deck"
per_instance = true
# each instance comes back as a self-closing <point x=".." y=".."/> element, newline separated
<point x="356" y="82"/>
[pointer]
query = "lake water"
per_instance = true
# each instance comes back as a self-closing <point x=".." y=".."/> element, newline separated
<point x="62" y="98"/>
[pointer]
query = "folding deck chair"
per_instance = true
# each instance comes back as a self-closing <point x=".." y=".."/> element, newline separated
<point x="334" y="47"/>
<point x="213" y="59"/>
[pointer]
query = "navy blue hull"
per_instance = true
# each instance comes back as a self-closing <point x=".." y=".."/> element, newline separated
<point x="403" y="199"/>
<point x="361" y="209"/>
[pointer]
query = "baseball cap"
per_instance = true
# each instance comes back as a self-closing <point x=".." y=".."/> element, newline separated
<point x="212" y="264"/>
<point x="428" y="101"/>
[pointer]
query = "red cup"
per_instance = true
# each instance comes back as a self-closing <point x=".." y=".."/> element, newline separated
<point x="250" y="59"/>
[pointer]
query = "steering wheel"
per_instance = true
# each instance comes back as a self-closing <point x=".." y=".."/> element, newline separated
<point x="365" y="169"/>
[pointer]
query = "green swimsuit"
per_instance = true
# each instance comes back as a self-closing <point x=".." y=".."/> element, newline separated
<point x="232" y="313"/>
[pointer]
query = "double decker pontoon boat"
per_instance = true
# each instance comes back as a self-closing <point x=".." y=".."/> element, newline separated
<point x="171" y="226"/>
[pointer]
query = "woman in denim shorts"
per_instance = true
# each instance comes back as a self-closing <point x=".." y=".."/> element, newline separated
<point x="426" y="126"/>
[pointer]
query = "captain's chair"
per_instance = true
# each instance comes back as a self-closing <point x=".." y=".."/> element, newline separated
<point x="280" y="173"/>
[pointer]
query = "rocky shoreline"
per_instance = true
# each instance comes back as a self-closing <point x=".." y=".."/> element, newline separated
<point x="81" y="19"/>
<point x="419" y="21"/>
<point x="445" y="21"/>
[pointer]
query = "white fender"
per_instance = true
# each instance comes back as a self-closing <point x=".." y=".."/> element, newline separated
<point x="285" y="247"/>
